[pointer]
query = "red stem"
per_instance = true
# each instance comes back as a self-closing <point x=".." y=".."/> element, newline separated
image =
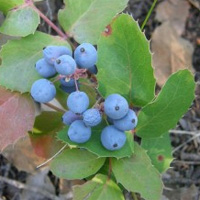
<point x="49" y="22"/>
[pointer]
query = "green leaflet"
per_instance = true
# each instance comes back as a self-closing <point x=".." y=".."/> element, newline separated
<point x="124" y="62"/>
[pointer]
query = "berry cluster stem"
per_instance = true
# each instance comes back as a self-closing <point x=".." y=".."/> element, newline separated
<point x="76" y="84"/>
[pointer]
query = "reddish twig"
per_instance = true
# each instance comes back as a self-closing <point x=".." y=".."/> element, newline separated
<point x="54" y="107"/>
<point x="49" y="22"/>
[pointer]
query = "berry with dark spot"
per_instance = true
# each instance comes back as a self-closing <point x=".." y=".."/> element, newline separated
<point x="116" y="106"/>
<point x="65" y="65"/>
<point x="112" y="138"/>
<point x="85" y="55"/>
<point x="45" y="69"/>
<point x="128" y="122"/>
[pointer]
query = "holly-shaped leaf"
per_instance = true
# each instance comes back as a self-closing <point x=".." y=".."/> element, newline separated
<point x="99" y="188"/>
<point x="159" y="150"/>
<point x="137" y="174"/>
<point x="85" y="20"/>
<point x="172" y="102"/>
<point x="76" y="164"/>
<point x="94" y="144"/>
<point x="20" y="22"/>
<point x="17" y="71"/>
<point x="17" y="115"/>
<point x="124" y="62"/>
<point x="43" y="134"/>
<point x="6" y="5"/>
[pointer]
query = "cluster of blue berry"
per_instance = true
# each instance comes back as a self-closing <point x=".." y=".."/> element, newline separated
<point x="58" y="59"/>
<point x="80" y="119"/>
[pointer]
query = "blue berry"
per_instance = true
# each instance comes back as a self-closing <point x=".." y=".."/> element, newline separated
<point x="85" y="55"/>
<point x="78" y="102"/>
<point x="92" y="117"/>
<point x="43" y="91"/>
<point x="116" y="106"/>
<point x="128" y="122"/>
<point x="51" y="53"/>
<point x="68" y="90"/>
<point x="68" y="83"/>
<point x="78" y="132"/>
<point x="65" y="65"/>
<point x="45" y="69"/>
<point x="69" y="117"/>
<point x="112" y="138"/>
<point x="93" y="70"/>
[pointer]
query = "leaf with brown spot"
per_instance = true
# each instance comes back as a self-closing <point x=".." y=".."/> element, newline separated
<point x="17" y="115"/>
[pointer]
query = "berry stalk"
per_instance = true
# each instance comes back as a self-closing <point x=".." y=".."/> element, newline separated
<point x="54" y="107"/>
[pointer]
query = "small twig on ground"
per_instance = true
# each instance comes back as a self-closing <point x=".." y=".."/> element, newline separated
<point x="182" y="145"/>
<point x="184" y="132"/>
<point x="20" y="185"/>
<point x="180" y="180"/>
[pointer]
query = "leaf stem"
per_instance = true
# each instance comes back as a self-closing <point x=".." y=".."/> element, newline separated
<point x="54" y="107"/>
<point x="110" y="168"/>
<point x="148" y="15"/>
<point x="134" y="196"/>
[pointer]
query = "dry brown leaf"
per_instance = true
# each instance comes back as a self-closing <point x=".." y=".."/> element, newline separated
<point x="195" y="3"/>
<point x="22" y="155"/>
<point x="171" y="51"/>
<point x="175" y="11"/>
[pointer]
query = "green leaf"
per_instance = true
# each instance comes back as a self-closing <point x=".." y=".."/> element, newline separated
<point x="94" y="144"/>
<point x="85" y="20"/>
<point x="43" y="134"/>
<point x="159" y="150"/>
<point x="76" y="164"/>
<point x="172" y="102"/>
<point x="124" y="62"/>
<point x="20" y="22"/>
<point x="46" y="122"/>
<point x="99" y="188"/>
<point x="6" y="5"/>
<point x="137" y="174"/>
<point x="17" y="71"/>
